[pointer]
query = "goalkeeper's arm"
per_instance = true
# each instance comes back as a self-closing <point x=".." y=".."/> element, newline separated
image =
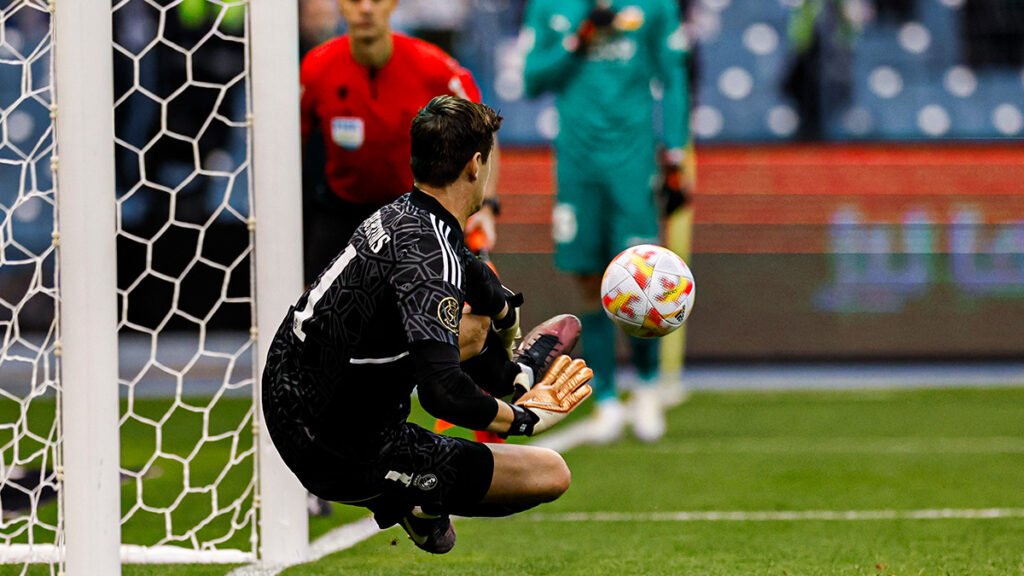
<point x="446" y="392"/>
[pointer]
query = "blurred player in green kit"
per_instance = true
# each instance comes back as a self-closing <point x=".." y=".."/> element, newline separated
<point x="601" y="59"/>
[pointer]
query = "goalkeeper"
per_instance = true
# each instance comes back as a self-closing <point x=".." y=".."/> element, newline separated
<point x="385" y="317"/>
<point x="600" y="58"/>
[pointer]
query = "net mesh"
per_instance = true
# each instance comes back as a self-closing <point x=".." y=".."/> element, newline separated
<point x="29" y="389"/>
<point x="184" y="240"/>
<point x="184" y="273"/>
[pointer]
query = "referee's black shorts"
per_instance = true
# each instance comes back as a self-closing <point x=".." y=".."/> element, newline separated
<point x="328" y="224"/>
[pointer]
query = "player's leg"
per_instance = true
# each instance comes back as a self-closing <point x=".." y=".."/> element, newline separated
<point x="425" y="477"/>
<point x="634" y="220"/>
<point x="599" y="345"/>
<point x="495" y="372"/>
<point x="580" y="230"/>
<point x="473" y="330"/>
<point x="678" y="230"/>
<point x="524" y="476"/>
<point x="485" y="361"/>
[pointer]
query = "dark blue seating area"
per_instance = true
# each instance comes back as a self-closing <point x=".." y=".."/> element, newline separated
<point x="899" y="80"/>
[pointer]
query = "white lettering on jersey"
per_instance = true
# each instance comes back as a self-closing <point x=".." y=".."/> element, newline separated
<point x="319" y="289"/>
<point x="375" y="234"/>
<point x="621" y="49"/>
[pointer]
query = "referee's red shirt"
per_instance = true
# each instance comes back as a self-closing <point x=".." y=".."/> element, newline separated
<point x="365" y="115"/>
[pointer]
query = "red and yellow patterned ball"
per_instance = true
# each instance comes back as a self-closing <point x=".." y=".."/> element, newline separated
<point x="648" y="291"/>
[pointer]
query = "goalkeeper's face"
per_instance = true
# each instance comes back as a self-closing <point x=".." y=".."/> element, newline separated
<point x="367" y="20"/>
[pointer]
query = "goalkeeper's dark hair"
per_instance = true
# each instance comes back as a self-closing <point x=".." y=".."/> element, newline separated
<point x="446" y="133"/>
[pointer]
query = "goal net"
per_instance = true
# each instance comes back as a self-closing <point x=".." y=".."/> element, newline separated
<point x="187" y="337"/>
<point x="29" y="385"/>
<point x="184" y="265"/>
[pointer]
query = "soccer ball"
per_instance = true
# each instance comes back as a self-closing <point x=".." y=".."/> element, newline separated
<point x="647" y="291"/>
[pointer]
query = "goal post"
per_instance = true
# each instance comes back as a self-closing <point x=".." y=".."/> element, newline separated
<point x="134" y="342"/>
<point x="277" y="181"/>
<point x="84" y="160"/>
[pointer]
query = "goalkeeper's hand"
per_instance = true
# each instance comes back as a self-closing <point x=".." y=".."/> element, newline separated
<point x="598" y="21"/>
<point x="563" y="388"/>
<point x="508" y="329"/>
<point x="675" y="187"/>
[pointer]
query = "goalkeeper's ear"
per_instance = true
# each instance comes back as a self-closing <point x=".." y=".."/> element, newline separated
<point x="475" y="167"/>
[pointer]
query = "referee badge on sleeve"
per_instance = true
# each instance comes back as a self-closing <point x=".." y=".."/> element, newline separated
<point x="347" y="132"/>
<point x="448" y="313"/>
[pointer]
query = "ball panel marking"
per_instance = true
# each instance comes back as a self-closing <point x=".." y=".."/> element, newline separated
<point x="648" y="291"/>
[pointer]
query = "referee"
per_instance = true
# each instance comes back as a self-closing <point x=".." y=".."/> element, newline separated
<point x="383" y="319"/>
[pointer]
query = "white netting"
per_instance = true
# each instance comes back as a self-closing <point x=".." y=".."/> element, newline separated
<point x="184" y="274"/>
<point x="29" y="379"/>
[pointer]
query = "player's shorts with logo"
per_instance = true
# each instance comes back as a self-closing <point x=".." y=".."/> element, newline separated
<point x="387" y="471"/>
<point x="600" y="211"/>
<point x="340" y="372"/>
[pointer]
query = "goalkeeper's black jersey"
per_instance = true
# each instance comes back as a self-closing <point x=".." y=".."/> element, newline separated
<point x="339" y="373"/>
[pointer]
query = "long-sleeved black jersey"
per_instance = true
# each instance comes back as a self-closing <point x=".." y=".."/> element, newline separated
<point x="340" y="372"/>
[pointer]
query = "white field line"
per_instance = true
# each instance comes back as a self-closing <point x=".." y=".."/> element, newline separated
<point x="130" y="554"/>
<point x="341" y="538"/>
<point x="805" y="445"/>
<point x="782" y="515"/>
<point x="348" y="535"/>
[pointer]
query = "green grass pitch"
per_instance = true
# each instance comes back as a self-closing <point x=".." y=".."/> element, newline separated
<point x="882" y="452"/>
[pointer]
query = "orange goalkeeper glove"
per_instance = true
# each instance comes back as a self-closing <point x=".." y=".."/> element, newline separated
<point x="563" y="388"/>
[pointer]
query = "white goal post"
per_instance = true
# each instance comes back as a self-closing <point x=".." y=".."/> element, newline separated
<point x="278" y="179"/>
<point x="100" y="406"/>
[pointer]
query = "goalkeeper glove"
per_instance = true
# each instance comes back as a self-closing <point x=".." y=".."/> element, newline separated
<point x="598" y="21"/>
<point x="563" y="388"/>
<point x="507" y="328"/>
<point x="675" y="190"/>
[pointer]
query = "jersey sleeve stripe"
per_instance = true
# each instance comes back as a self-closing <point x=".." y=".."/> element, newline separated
<point x="455" y="259"/>
<point x="387" y="360"/>
<point x="441" y="243"/>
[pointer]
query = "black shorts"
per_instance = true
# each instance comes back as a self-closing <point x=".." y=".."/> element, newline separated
<point x="328" y="224"/>
<point x="416" y="468"/>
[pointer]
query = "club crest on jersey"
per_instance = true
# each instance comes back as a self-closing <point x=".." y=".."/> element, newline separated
<point x="448" y="313"/>
<point x="425" y="482"/>
<point x="347" y="132"/>
<point x="629" y="19"/>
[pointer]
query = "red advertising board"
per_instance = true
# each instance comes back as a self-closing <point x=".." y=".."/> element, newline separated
<point x="822" y="252"/>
